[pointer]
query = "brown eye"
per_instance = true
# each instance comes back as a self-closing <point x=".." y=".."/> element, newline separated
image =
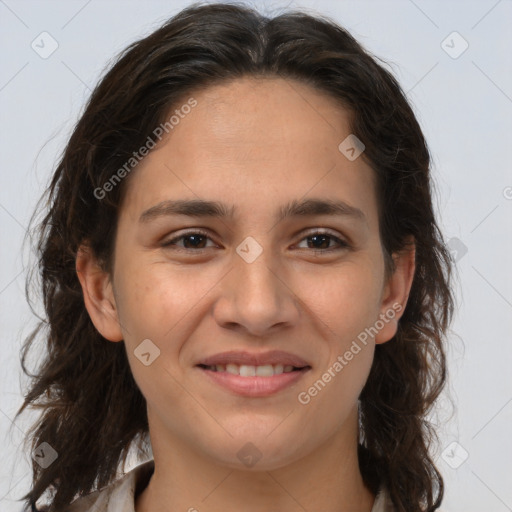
<point x="193" y="240"/>
<point x="320" y="242"/>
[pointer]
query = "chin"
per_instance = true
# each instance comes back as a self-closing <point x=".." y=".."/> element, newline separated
<point x="258" y="451"/>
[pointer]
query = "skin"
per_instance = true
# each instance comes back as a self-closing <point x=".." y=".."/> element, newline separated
<point x="255" y="144"/>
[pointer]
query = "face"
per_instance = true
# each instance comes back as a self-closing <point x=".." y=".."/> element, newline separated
<point x="209" y="289"/>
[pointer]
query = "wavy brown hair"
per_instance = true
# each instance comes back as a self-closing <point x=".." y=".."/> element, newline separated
<point x="92" y="410"/>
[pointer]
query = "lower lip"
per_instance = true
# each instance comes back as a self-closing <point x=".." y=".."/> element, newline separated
<point x="254" y="386"/>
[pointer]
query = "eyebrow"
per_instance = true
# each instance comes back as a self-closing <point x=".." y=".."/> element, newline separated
<point x="215" y="209"/>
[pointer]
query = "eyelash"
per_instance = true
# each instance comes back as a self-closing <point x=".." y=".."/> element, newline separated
<point x="342" y="243"/>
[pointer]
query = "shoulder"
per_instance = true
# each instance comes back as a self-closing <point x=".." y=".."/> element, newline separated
<point x="119" y="495"/>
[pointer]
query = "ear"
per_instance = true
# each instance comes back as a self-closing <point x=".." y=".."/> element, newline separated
<point x="98" y="294"/>
<point x="396" y="291"/>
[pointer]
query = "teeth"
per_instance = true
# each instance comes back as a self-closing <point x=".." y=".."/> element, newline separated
<point x="278" y="369"/>
<point x="263" y="371"/>
<point x="244" y="370"/>
<point x="247" y="371"/>
<point x="233" y="368"/>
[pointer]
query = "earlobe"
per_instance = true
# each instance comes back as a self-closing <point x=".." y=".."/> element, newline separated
<point x="98" y="294"/>
<point x="396" y="291"/>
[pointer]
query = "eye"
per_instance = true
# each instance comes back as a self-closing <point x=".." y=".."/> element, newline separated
<point x="194" y="239"/>
<point x="321" y="239"/>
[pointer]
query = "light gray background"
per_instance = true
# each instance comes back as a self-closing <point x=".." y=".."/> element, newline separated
<point x="464" y="105"/>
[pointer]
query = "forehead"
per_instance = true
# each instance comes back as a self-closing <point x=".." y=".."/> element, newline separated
<point x="257" y="144"/>
<point x="266" y="118"/>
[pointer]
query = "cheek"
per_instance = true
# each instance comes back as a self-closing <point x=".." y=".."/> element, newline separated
<point x="155" y="299"/>
<point x="344" y="305"/>
<point x="158" y="304"/>
<point x="345" y="300"/>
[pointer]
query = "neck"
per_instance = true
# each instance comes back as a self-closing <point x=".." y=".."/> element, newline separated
<point x="328" y="479"/>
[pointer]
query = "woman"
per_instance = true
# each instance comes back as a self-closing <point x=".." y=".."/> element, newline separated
<point x="242" y="270"/>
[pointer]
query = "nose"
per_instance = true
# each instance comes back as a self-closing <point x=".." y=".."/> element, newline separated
<point x="255" y="297"/>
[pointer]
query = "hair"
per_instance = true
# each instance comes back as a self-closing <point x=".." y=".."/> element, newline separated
<point x="92" y="410"/>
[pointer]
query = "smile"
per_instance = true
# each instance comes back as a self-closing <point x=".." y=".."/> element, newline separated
<point x="253" y="381"/>
<point x="244" y="370"/>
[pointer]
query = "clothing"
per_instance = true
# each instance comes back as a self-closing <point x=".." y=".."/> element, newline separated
<point x="120" y="495"/>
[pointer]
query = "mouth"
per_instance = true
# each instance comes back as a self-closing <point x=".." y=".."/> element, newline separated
<point x="254" y="375"/>
<point x="244" y="370"/>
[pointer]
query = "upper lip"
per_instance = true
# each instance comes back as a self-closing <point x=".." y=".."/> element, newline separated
<point x="255" y="359"/>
